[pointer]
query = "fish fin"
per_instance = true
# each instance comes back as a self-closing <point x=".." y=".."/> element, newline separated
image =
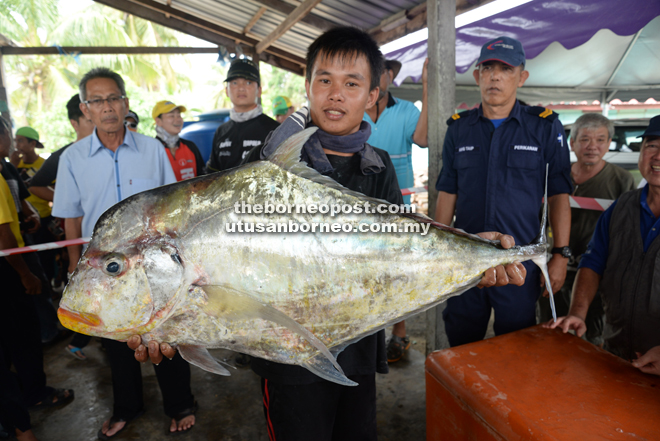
<point x="542" y="261"/>
<point x="320" y="366"/>
<point x="226" y="301"/>
<point x="288" y="154"/>
<point x="422" y="218"/>
<point x="200" y="357"/>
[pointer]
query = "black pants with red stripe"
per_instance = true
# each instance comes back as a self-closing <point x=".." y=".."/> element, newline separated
<point x="321" y="411"/>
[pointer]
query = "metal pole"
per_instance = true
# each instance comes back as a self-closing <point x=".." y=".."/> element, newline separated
<point x="441" y="102"/>
<point x="4" y="99"/>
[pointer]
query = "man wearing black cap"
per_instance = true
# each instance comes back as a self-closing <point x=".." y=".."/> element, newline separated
<point x="501" y="149"/>
<point x="248" y="126"/>
<point x="621" y="263"/>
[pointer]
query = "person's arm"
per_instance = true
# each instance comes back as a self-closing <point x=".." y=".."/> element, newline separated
<point x="560" y="222"/>
<point x="30" y="282"/>
<point x="31" y="216"/>
<point x="513" y="273"/>
<point x="649" y="363"/>
<point x="445" y="207"/>
<point x="420" y="137"/>
<point x="73" y="230"/>
<point x="45" y="193"/>
<point x="584" y="291"/>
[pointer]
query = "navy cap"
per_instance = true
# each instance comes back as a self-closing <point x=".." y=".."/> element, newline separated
<point x="244" y="68"/>
<point x="507" y="50"/>
<point x="653" y="129"/>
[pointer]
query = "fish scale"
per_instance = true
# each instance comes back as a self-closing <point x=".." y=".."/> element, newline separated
<point x="289" y="298"/>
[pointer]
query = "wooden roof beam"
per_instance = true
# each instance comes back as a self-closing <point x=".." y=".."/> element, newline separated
<point x="301" y="11"/>
<point x="195" y="26"/>
<point x="412" y="20"/>
<point x="286" y="9"/>
<point x="104" y="50"/>
<point x="254" y="20"/>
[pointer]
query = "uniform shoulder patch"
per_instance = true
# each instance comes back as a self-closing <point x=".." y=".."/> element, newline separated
<point x="542" y="112"/>
<point x="456" y="116"/>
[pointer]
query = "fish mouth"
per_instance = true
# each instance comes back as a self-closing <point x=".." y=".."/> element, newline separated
<point x="78" y="320"/>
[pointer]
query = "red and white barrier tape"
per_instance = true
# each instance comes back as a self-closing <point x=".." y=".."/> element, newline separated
<point x="412" y="190"/>
<point x="44" y="246"/>
<point x="590" y="203"/>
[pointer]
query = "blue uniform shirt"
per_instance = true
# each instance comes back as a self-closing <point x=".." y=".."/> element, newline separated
<point x="498" y="174"/>
<point x="91" y="178"/>
<point x="595" y="258"/>
<point x="393" y="132"/>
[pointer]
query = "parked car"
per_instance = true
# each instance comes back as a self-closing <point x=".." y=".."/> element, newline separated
<point x="201" y="130"/>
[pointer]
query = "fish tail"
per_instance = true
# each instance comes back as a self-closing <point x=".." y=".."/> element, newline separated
<point x="542" y="260"/>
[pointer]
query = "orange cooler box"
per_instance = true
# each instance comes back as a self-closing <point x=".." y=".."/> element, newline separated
<point x="538" y="384"/>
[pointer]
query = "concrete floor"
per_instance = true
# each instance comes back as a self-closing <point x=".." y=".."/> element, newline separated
<point x="230" y="408"/>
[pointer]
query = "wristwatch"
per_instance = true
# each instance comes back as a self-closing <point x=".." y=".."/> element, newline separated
<point x="564" y="251"/>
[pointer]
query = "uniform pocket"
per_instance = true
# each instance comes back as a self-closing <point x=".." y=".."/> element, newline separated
<point x="466" y="157"/>
<point x="524" y="156"/>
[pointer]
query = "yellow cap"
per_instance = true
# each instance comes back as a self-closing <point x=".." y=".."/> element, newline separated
<point x="165" y="107"/>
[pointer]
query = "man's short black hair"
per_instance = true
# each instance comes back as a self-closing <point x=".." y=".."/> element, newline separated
<point x="100" y="72"/>
<point x="347" y="42"/>
<point x="73" y="108"/>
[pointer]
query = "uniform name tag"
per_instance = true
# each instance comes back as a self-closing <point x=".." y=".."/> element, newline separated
<point x="251" y="143"/>
<point x="467" y="148"/>
<point x="527" y="148"/>
<point x="224" y="144"/>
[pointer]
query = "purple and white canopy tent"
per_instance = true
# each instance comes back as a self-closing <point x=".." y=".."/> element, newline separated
<point x="576" y="50"/>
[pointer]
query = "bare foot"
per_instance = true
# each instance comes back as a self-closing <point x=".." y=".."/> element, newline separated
<point x="28" y="435"/>
<point x="116" y="427"/>
<point x="184" y="424"/>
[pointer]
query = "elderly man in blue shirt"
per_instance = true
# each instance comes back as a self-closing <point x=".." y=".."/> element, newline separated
<point x="622" y="262"/>
<point x="493" y="178"/>
<point x="95" y="173"/>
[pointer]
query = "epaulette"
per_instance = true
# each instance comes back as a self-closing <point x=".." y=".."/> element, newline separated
<point x="542" y="112"/>
<point x="456" y="116"/>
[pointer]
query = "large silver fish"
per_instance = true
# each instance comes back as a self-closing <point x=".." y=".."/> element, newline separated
<point x="164" y="264"/>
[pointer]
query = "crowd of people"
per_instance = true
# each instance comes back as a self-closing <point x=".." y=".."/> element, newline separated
<point x="493" y="180"/>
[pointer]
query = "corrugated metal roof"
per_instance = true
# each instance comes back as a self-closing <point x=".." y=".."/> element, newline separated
<point x="235" y="16"/>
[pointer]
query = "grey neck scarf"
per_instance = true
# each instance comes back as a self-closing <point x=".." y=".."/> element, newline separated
<point x="169" y="140"/>
<point x="312" y="151"/>
<point x="245" y="116"/>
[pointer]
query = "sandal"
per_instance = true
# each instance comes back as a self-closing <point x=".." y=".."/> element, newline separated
<point x="62" y="399"/>
<point x="396" y="347"/>
<point x="76" y="352"/>
<point x="114" y="420"/>
<point x="181" y="415"/>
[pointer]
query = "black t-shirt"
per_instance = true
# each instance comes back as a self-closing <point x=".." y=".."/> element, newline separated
<point x="368" y="355"/>
<point x="232" y="141"/>
<point x="48" y="172"/>
<point x="18" y="189"/>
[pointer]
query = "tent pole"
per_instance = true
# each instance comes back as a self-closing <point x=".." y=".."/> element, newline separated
<point x="4" y="99"/>
<point x="441" y="102"/>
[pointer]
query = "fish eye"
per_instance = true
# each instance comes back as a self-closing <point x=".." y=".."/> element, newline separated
<point x="113" y="265"/>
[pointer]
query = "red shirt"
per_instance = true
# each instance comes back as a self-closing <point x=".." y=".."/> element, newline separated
<point x="184" y="165"/>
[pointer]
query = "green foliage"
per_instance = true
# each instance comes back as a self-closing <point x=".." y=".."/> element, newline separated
<point x="40" y="86"/>
<point x="281" y="82"/>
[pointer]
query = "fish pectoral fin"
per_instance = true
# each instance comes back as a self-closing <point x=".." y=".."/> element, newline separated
<point x="228" y="302"/>
<point x="322" y="367"/>
<point x="200" y="357"/>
